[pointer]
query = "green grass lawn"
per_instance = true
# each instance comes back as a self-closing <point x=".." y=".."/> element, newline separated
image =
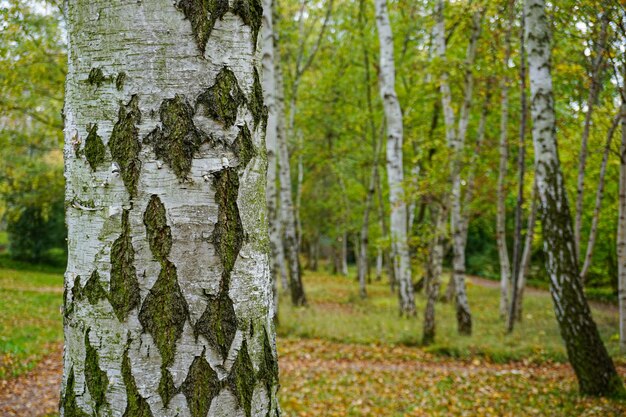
<point x="30" y="319"/>
<point x="336" y="313"/>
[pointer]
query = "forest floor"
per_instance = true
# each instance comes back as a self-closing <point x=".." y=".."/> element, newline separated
<point x="343" y="356"/>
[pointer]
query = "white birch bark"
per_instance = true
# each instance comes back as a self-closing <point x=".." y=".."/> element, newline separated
<point x="596" y="73"/>
<point x="280" y="137"/>
<point x="503" y="252"/>
<point x="395" y="174"/>
<point x="290" y="238"/>
<point x="587" y="354"/>
<point x="168" y="309"/>
<point x="269" y="92"/>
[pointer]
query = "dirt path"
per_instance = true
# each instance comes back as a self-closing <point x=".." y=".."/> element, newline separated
<point x="488" y="283"/>
<point x="36" y="393"/>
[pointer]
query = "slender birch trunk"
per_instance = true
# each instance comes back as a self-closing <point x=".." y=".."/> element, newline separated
<point x="525" y="262"/>
<point x="621" y="229"/>
<point x="456" y="143"/>
<point x="168" y="299"/>
<point x="290" y="239"/>
<point x="269" y="92"/>
<point x="521" y="171"/>
<point x="376" y="144"/>
<point x="503" y="253"/>
<point x="395" y="174"/>
<point x="344" y="254"/>
<point x="385" y="254"/>
<point x="594" y="89"/>
<point x="280" y="137"/>
<point x="593" y="366"/>
<point x="599" y="197"/>
<point x="433" y="275"/>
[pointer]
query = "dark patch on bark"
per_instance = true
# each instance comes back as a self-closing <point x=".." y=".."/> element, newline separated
<point x="255" y="101"/>
<point x="95" y="378"/>
<point x="163" y="315"/>
<point x="200" y="387"/>
<point x="125" y="146"/>
<point x="177" y="140"/>
<point x="120" y="80"/>
<point x="202" y="14"/>
<point x="68" y="402"/>
<point x="164" y="311"/>
<point x="96" y="77"/>
<point x="93" y="289"/>
<point x="136" y="405"/>
<point x="242" y="380"/>
<point x="228" y="234"/>
<point x="218" y="323"/>
<point x="251" y="12"/>
<point x="95" y="151"/>
<point x="243" y="146"/>
<point x="221" y="101"/>
<point x="159" y="233"/>
<point x="268" y="367"/>
<point x="124" y="294"/>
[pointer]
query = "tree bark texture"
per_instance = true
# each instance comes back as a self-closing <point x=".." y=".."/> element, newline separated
<point x="433" y="275"/>
<point x="395" y="173"/>
<point x="621" y="229"/>
<point x="168" y="297"/>
<point x="587" y="354"/>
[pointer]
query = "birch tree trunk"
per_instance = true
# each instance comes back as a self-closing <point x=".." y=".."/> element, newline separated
<point x="526" y="255"/>
<point x="621" y="229"/>
<point x="280" y="137"/>
<point x="433" y="275"/>
<point x="168" y="299"/>
<point x="596" y="73"/>
<point x="395" y="174"/>
<point x="456" y="143"/>
<point x="503" y="252"/>
<point x="593" y="366"/>
<point x="290" y="238"/>
<point x="269" y="92"/>
<point x="595" y="219"/>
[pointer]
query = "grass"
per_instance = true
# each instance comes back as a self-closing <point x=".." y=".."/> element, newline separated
<point x="343" y="356"/>
<point x="30" y="321"/>
<point x="336" y="313"/>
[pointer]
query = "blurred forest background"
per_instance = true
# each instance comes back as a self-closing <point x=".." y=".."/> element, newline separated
<point x="333" y="130"/>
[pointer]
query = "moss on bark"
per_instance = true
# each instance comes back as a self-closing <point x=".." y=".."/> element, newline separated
<point x="177" y="140"/>
<point x="164" y="311"/>
<point x="243" y="146"/>
<point x="124" y="287"/>
<point x="251" y="12"/>
<point x="95" y="378"/>
<point x="218" y="323"/>
<point x="159" y="233"/>
<point x="200" y="386"/>
<point x="136" y="405"/>
<point x="68" y="402"/>
<point x="202" y="14"/>
<point x="242" y="379"/>
<point x="222" y="100"/>
<point x="95" y="151"/>
<point x="120" y="80"/>
<point x="125" y="146"/>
